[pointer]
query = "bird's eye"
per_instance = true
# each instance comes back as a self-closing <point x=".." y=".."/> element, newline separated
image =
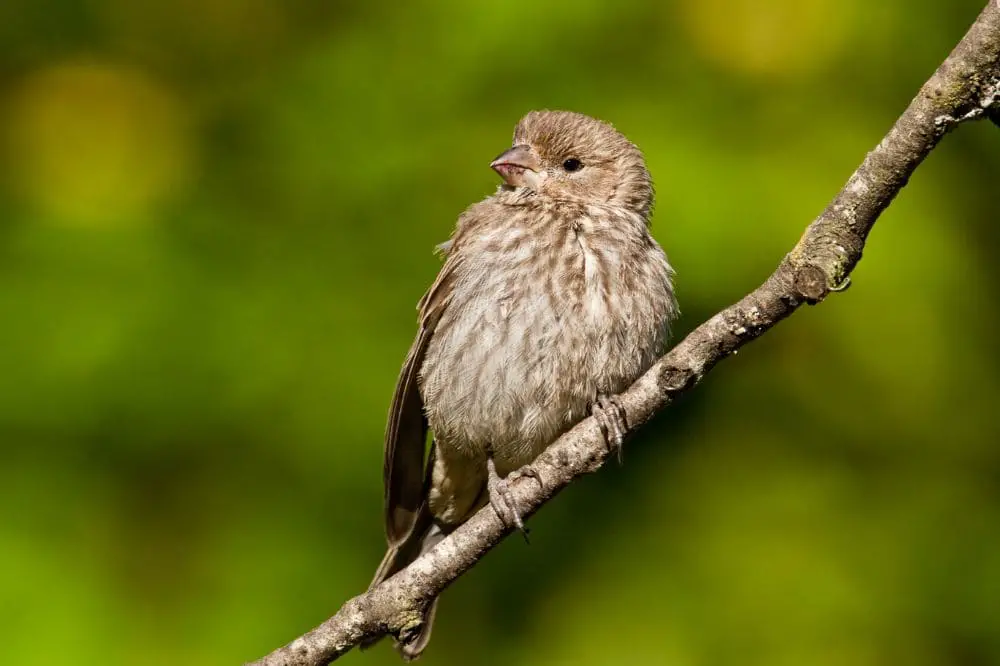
<point x="572" y="164"/>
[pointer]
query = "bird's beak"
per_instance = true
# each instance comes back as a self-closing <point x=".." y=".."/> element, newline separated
<point x="518" y="166"/>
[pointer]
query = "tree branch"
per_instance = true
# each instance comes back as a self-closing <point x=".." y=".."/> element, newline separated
<point x="965" y="87"/>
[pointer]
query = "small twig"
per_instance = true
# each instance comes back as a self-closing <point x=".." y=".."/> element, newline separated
<point x="963" y="88"/>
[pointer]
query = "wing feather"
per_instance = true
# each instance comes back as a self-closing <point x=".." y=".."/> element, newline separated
<point x="406" y="433"/>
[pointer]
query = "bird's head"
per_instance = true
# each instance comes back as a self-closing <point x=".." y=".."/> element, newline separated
<point x="569" y="156"/>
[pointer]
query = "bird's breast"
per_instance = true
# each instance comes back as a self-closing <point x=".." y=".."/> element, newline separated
<point x="540" y="322"/>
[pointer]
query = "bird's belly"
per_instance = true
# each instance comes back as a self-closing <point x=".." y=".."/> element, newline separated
<point x="507" y="379"/>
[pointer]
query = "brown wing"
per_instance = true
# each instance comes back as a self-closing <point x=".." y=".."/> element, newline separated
<point x="406" y="433"/>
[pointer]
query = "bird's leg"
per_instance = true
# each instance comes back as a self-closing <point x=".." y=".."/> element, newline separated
<point x="502" y="499"/>
<point x="610" y="417"/>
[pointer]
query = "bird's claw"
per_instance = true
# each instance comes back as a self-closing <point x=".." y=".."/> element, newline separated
<point x="502" y="499"/>
<point x="611" y="418"/>
<point x="526" y="472"/>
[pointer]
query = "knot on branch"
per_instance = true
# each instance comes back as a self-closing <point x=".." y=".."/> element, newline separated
<point x="811" y="284"/>
<point x="746" y="323"/>
<point x="676" y="380"/>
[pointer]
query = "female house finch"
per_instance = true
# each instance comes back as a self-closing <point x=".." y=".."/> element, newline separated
<point x="553" y="298"/>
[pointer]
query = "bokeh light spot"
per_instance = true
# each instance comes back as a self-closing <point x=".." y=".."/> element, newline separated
<point x="92" y="143"/>
<point x="767" y="38"/>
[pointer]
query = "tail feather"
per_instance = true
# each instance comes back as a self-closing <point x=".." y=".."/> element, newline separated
<point x="425" y="535"/>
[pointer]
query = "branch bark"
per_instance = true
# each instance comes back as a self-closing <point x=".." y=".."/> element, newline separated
<point x="965" y="87"/>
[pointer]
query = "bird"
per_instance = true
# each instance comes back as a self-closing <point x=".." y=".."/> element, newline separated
<point x="553" y="297"/>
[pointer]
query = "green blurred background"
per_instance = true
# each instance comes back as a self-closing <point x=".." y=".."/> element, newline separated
<point x="217" y="217"/>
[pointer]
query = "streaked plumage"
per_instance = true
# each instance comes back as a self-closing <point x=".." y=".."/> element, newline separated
<point x="552" y="293"/>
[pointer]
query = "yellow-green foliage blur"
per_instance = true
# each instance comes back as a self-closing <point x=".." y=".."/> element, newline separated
<point x="216" y="218"/>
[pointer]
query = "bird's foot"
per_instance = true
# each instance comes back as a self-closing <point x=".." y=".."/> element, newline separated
<point x="501" y="497"/>
<point x="611" y="418"/>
